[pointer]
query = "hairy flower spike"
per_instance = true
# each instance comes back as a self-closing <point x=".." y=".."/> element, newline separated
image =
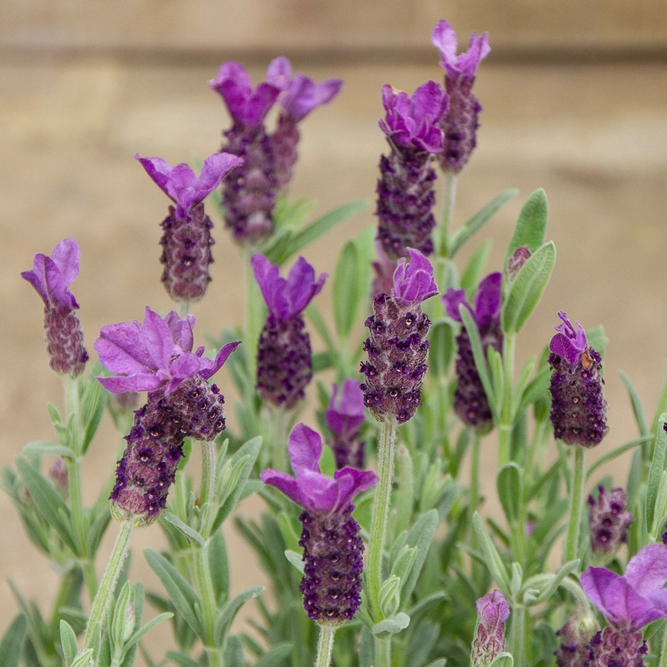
<point x="186" y="241"/>
<point x="284" y="366"/>
<point x="578" y="406"/>
<point x="397" y="347"/>
<point x="470" y="401"/>
<point x="345" y="417"/>
<point x="608" y="520"/>
<point x="332" y="547"/>
<point x="460" y="123"/>
<point x="617" y="648"/>
<point x="405" y="189"/>
<point x="489" y="641"/>
<point x="51" y="278"/>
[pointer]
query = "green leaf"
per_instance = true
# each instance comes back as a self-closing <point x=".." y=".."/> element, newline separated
<point x="441" y="338"/>
<point x="228" y="612"/>
<point x="181" y="594"/>
<point x="68" y="642"/>
<point x="218" y="565"/>
<point x="531" y="225"/>
<point x="392" y="625"/>
<point x="183" y="528"/>
<point x="181" y="660"/>
<point x="527" y="288"/>
<point x="536" y="389"/>
<point x="503" y="660"/>
<point x="275" y="656"/>
<point x="597" y="339"/>
<point x="323" y="361"/>
<point x="637" y="407"/>
<point x="149" y="626"/>
<point x="617" y="452"/>
<point x="295" y="559"/>
<point x="92" y="408"/>
<point x="472" y="274"/>
<point x="98" y="528"/>
<point x="41" y="447"/>
<point x="510" y="491"/>
<point x="233" y="655"/>
<point x="84" y="659"/>
<point x="11" y="646"/>
<point x="347" y="290"/>
<point x="560" y="574"/>
<point x="493" y="560"/>
<point x="656" y="470"/>
<point x="420" y="537"/>
<point x="478" y="220"/>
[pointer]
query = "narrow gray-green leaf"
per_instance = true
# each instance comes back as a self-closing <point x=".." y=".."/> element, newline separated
<point x="228" y="612"/>
<point x="41" y="447"/>
<point x="637" y="407"/>
<point x="347" y="289"/>
<point x="149" y="626"/>
<point x="503" y="660"/>
<point x="275" y="656"/>
<point x="420" y="537"/>
<point x="531" y="225"/>
<point x="295" y="559"/>
<point x="657" y="467"/>
<point x="11" y="646"/>
<point x="493" y="560"/>
<point x="392" y="625"/>
<point x="181" y="660"/>
<point x="67" y="642"/>
<point x="474" y="270"/>
<point x="218" y="565"/>
<point x="184" y="528"/>
<point x="527" y="288"/>
<point x="510" y="491"/>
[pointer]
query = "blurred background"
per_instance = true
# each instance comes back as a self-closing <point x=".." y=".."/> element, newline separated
<point x="575" y="101"/>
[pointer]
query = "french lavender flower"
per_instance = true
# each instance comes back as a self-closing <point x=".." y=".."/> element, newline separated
<point x="629" y="603"/>
<point x="249" y="193"/>
<point x="344" y="419"/>
<point x="51" y="277"/>
<point x="461" y="121"/>
<point x="300" y="95"/>
<point x="578" y="406"/>
<point x="284" y="366"/>
<point x="608" y="520"/>
<point x="489" y="641"/>
<point x="575" y="637"/>
<point x="397" y="347"/>
<point x="332" y="546"/>
<point x="405" y="189"/>
<point x="186" y="241"/>
<point x="157" y="357"/>
<point x="470" y="401"/>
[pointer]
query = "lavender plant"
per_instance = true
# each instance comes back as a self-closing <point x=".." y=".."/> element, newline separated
<point x="378" y="551"/>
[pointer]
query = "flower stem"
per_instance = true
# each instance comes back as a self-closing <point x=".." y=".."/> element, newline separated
<point x="474" y="494"/>
<point x="209" y="465"/>
<point x="448" y="199"/>
<point x="325" y="645"/>
<point x="577" y="492"/>
<point x="517" y="638"/>
<point x="383" y="651"/>
<point x="108" y="584"/>
<point x="279" y="424"/>
<point x="202" y="576"/>
<point x="663" y="649"/>
<point x="505" y="427"/>
<point x="185" y="308"/>
<point x="385" y="472"/>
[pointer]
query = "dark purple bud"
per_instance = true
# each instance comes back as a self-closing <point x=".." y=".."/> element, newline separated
<point x="489" y="640"/>
<point x="344" y="419"/>
<point x="578" y="405"/>
<point x="51" y="278"/>
<point x="58" y="475"/>
<point x="519" y="257"/>
<point x="608" y="521"/>
<point x="617" y="648"/>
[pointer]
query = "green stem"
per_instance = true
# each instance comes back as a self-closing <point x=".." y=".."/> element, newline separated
<point x="517" y="638"/>
<point x="209" y="606"/>
<point x="108" y="583"/>
<point x="325" y="645"/>
<point x="253" y="310"/>
<point x="381" y="502"/>
<point x="576" y="496"/>
<point x="663" y="648"/>
<point x="209" y="464"/>
<point x="448" y="199"/>
<point x="185" y="308"/>
<point x="474" y="496"/>
<point x="279" y="424"/>
<point x="505" y="427"/>
<point x="383" y="651"/>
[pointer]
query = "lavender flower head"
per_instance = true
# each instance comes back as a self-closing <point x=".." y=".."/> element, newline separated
<point x="332" y="547"/>
<point x="578" y="406"/>
<point x="157" y="357"/>
<point x="470" y="401"/>
<point x="186" y="241"/>
<point x="249" y="193"/>
<point x="300" y="95"/>
<point x="397" y="347"/>
<point x="460" y="123"/>
<point x="608" y="520"/>
<point x="51" y="278"/>
<point x="489" y="641"/>
<point x="405" y="189"/>
<point x="284" y="366"/>
<point x="345" y="417"/>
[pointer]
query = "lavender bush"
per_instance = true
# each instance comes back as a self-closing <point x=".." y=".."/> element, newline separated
<point x="378" y="551"/>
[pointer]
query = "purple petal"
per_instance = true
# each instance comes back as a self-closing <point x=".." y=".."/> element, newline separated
<point x="279" y="73"/>
<point x="184" y="366"/>
<point x="301" y="286"/>
<point x="488" y="300"/>
<point x="233" y="83"/>
<point x="646" y="571"/>
<point x="271" y="285"/>
<point x="444" y="39"/>
<point x="122" y="350"/>
<point x="283" y="482"/>
<point x="181" y="330"/>
<point x="493" y="610"/>
<point x="352" y="398"/>
<point x="215" y="168"/>
<point x="119" y="384"/>
<point x="66" y="257"/>
<point x="414" y="283"/>
<point x="453" y="299"/>
<point x="609" y="592"/>
<point x="158" y="340"/>
<point x="319" y="492"/>
<point x="351" y="482"/>
<point x="209" y="368"/>
<point x="305" y="449"/>
<point x="304" y="95"/>
<point x="160" y="171"/>
<point x="569" y="342"/>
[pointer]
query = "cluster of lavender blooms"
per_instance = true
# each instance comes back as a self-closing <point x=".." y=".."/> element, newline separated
<point x="413" y="562"/>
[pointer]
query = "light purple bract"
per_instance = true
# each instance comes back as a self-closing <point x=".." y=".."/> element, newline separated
<point x="492" y="610"/>
<point x="346" y="413"/>
<point x="569" y="342"/>
<point x="464" y="64"/>
<point x="311" y="489"/>
<point x="414" y="282"/>
<point x="636" y="599"/>
<point x="286" y="298"/>
<point x="486" y="304"/>
<point x="154" y="355"/>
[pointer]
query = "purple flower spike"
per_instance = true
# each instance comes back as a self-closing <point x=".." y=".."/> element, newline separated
<point x="489" y="641"/>
<point x="460" y="123"/>
<point x="51" y="278"/>
<point x="578" y="405"/>
<point x="470" y="401"/>
<point x="284" y="366"/>
<point x="397" y="347"/>
<point x="332" y="547"/>
<point x="635" y="600"/>
<point x="405" y="188"/>
<point x="608" y="520"/>
<point x="616" y="648"/>
<point x="186" y="241"/>
<point x="345" y="417"/>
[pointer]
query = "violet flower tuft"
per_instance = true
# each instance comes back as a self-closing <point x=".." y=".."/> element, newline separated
<point x="332" y="547"/>
<point x="470" y="401"/>
<point x="186" y="241"/>
<point x="578" y="406"/>
<point x="489" y="641"/>
<point x="51" y="278"/>
<point x="284" y="366"/>
<point x="345" y="417"/>
<point x="460" y="123"/>
<point x="397" y="347"/>
<point x="405" y="188"/>
<point x="608" y="520"/>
